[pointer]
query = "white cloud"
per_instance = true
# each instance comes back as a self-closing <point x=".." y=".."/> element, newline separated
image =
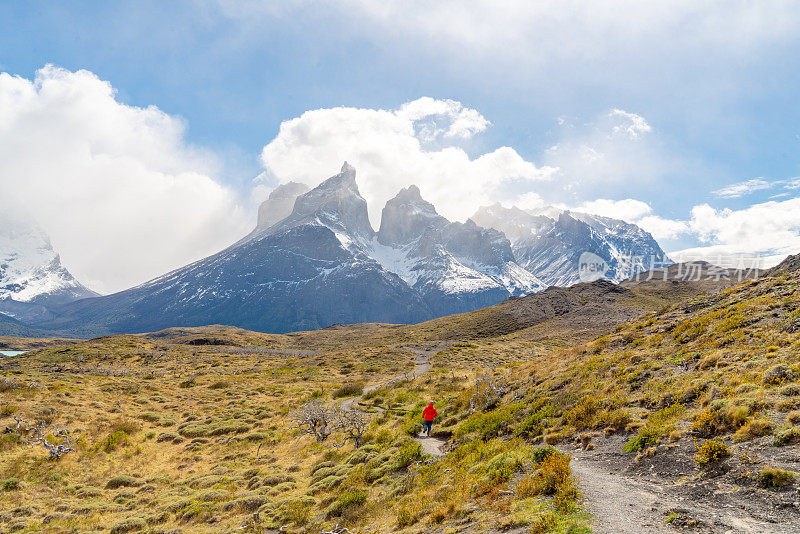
<point x="389" y="151"/>
<point x="616" y="147"/>
<point x="636" y="212"/>
<point x="761" y="234"/>
<point x="630" y="124"/>
<point x="459" y="121"/>
<point x="628" y="209"/>
<point x="122" y="195"/>
<point x="575" y="37"/>
<point x="742" y="188"/>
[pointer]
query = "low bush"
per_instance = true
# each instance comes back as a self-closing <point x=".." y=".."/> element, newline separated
<point x="777" y="375"/>
<point x="539" y="454"/>
<point x="774" y="477"/>
<point x="347" y="503"/>
<point x="646" y="437"/>
<point x="132" y="524"/>
<point x="115" y="440"/>
<point x="711" y="452"/>
<point x="753" y="429"/>
<point x="555" y="472"/>
<point x="789" y="436"/>
<point x="349" y="390"/>
<point x="123" y="481"/>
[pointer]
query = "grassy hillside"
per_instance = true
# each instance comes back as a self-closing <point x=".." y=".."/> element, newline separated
<point x="192" y="429"/>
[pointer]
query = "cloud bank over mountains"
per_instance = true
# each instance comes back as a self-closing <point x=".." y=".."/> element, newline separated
<point x="125" y="197"/>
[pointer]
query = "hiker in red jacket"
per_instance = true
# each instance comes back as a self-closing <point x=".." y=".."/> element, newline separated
<point x="428" y="414"/>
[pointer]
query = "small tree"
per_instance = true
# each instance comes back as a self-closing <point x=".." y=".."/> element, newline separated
<point x="316" y="419"/>
<point x="354" y="424"/>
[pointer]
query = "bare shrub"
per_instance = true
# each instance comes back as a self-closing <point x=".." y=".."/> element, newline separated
<point x="489" y="389"/>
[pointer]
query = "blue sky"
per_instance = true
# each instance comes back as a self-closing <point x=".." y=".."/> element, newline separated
<point x="663" y="106"/>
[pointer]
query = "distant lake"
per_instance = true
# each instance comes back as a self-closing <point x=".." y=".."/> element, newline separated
<point x="11" y="352"/>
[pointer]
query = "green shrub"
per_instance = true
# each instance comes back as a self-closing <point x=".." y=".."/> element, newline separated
<point x="753" y="429"/>
<point x="502" y="467"/>
<point x="405" y="517"/>
<point x="775" y="478"/>
<point x="297" y="512"/>
<point x="789" y="436"/>
<point x="115" y="440"/>
<point x="539" y="454"/>
<point x="347" y="502"/>
<point x="711" y="452"/>
<point x="121" y="481"/>
<point x="488" y="425"/>
<point x="10" y="484"/>
<point x="583" y="415"/>
<point x="619" y="419"/>
<point x="646" y="437"/>
<point x="349" y="390"/>
<point x="132" y="524"/>
<point x="410" y="451"/>
<point x="777" y="375"/>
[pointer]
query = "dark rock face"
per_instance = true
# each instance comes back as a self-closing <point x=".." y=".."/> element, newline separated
<point x="299" y="279"/>
<point x="406" y="217"/>
<point x="455" y="267"/>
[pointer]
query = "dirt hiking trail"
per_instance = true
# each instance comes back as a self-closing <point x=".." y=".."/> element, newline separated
<point x="422" y="364"/>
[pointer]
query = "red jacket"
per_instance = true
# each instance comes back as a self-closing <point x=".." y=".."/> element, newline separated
<point x="429" y="412"/>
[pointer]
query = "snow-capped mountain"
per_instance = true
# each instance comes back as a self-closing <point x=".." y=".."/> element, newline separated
<point x="308" y="271"/>
<point x="32" y="277"/>
<point x="553" y="243"/>
<point x="455" y="267"/>
<point x="323" y="263"/>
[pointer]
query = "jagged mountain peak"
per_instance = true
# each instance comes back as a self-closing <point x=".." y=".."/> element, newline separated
<point x="335" y="203"/>
<point x="280" y="203"/>
<point x="407" y="216"/>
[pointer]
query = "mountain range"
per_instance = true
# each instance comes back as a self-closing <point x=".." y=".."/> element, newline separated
<point x="314" y="259"/>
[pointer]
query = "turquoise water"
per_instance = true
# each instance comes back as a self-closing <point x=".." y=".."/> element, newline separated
<point x="11" y="352"/>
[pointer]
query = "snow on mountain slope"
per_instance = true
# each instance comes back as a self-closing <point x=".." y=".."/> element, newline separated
<point x="454" y="266"/>
<point x="30" y="270"/>
<point x="550" y="242"/>
<point x="323" y="263"/>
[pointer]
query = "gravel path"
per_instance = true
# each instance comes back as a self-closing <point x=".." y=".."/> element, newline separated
<point x="619" y="505"/>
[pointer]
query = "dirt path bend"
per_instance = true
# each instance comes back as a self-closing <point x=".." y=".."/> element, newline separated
<point x="422" y="364"/>
<point x="623" y="503"/>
